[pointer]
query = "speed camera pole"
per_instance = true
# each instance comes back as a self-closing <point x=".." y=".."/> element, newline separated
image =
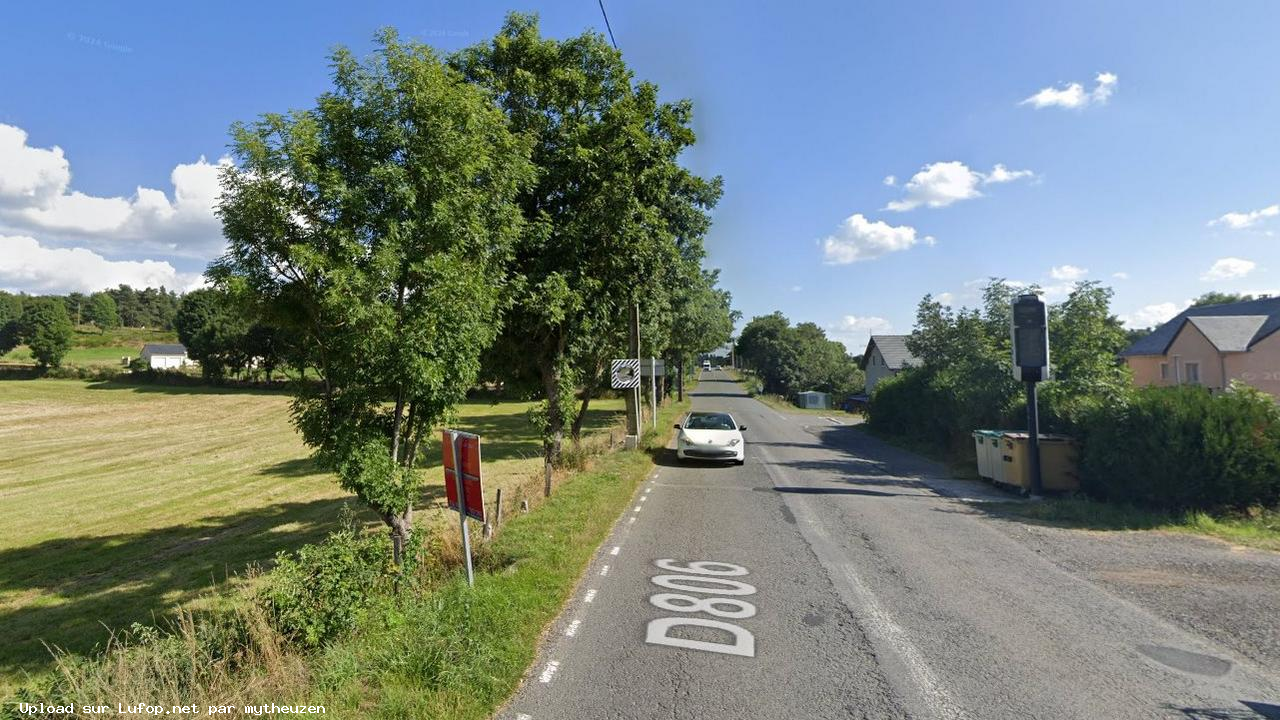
<point x="1030" y="330"/>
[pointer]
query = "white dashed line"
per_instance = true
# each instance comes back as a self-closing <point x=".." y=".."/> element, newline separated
<point x="524" y="716"/>
<point x="637" y="509"/>
<point x="549" y="671"/>
<point x="573" y="628"/>
<point x="648" y="490"/>
<point x="591" y="595"/>
<point x="643" y="498"/>
<point x="616" y="549"/>
<point x="631" y="519"/>
<point x="604" y="570"/>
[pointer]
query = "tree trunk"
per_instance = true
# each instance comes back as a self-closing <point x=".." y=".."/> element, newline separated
<point x="576" y="430"/>
<point x="401" y="527"/>
<point x="554" y="437"/>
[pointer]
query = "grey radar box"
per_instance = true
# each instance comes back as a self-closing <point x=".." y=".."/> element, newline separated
<point x="1030" y="339"/>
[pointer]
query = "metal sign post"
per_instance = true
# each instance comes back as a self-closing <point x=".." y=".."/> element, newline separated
<point x="462" y="478"/>
<point x="1030" y="330"/>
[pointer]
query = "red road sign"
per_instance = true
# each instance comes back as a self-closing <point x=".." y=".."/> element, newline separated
<point x="473" y="493"/>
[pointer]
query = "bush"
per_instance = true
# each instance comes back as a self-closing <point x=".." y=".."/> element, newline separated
<point x="322" y="590"/>
<point x="1183" y="448"/>
<point x="942" y="408"/>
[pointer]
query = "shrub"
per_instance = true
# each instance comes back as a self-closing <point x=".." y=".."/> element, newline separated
<point x="1183" y="448"/>
<point x="322" y="590"/>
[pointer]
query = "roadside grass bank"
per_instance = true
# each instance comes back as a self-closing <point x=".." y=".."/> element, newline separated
<point x="435" y="649"/>
<point x="122" y="501"/>
<point x="1255" y="527"/>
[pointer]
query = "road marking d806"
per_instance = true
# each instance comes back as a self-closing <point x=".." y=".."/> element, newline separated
<point x="707" y="577"/>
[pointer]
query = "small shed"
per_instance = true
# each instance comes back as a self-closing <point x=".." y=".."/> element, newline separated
<point x="161" y="356"/>
<point x="814" y="400"/>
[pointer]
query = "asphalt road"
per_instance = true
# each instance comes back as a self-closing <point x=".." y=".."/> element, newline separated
<point x="850" y="580"/>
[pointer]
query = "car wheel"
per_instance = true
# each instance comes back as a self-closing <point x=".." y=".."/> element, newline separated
<point x="739" y="462"/>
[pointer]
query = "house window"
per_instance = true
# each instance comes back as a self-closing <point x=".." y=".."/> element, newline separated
<point x="1164" y="371"/>
<point x="1193" y="373"/>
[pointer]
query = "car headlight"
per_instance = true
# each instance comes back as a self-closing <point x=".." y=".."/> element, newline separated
<point x="734" y="442"/>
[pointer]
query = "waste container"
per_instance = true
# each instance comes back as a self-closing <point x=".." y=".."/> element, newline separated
<point x="1058" y="461"/>
<point x="986" y="445"/>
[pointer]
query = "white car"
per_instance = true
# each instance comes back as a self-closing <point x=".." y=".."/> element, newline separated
<point x="710" y="436"/>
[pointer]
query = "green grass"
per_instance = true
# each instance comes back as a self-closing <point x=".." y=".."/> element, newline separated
<point x="1257" y="528"/>
<point x="122" y="501"/>
<point x="461" y="652"/>
<point x="91" y="347"/>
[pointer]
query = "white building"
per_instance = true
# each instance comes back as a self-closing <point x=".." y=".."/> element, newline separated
<point x="814" y="400"/>
<point x="884" y="357"/>
<point x="161" y="356"/>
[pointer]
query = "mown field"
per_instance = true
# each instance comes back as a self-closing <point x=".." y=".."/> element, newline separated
<point x="121" y="501"/>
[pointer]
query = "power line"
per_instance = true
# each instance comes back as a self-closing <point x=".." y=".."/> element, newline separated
<point x="606" y="24"/>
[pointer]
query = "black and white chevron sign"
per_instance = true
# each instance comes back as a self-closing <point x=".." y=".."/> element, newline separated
<point x="625" y="373"/>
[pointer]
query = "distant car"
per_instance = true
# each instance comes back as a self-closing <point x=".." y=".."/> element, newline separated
<point x="710" y="436"/>
<point x="706" y="364"/>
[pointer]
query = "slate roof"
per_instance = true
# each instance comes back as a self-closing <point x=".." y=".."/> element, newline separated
<point x="893" y="348"/>
<point x="1233" y="327"/>
<point x="164" y="349"/>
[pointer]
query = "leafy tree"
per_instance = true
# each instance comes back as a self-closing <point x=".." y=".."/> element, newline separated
<point x="213" y="329"/>
<point x="10" y="306"/>
<point x="46" y="329"/>
<point x="1085" y="339"/>
<point x="1213" y="297"/>
<point x="376" y="225"/>
<point x="766" y="347"/>
<point x="101" y="311"/>
<point x="10" y="335"/>
<point x="606" y="217"/>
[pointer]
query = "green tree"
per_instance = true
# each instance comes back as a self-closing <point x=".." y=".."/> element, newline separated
<point x="768" y="347"/>
<point x="46" y="329"/>
<point x="212" y="328"/>
<point x="606" y="217"/>
<point x="1213" y="297"/>
<point x="101" y="311"/>
<point x="376" y="224"/>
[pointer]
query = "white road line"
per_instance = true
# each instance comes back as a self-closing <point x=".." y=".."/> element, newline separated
<point x="643" y="498"/>
<point x="649" y="489"/>
<point x="524" y="716"/>
<point x="591" y="595"/>
<point x="616" y="549"/>
<point x="549" y="671"/>
<point x="631" y="519"/>
<point x="637" y="509"/>
<point x="573" y="628"/>
<point x="604" y="570"/>
<point x="879" y="624"/>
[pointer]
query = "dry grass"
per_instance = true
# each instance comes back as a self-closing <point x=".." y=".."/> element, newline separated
<point x="123" y="501"/>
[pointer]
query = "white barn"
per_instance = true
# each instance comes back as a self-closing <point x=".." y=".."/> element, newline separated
<point x="814" y="400"/>
<point x="162" y="356"/>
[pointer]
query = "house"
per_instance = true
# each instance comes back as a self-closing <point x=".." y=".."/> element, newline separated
<point x="161" y="356"/>
<point x="813" y="399"/>
<point x="1212" y="345"/>
<point x="884" y="357"/>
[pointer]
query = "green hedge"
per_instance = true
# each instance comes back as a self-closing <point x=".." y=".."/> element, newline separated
<point x="1183" y="448"/>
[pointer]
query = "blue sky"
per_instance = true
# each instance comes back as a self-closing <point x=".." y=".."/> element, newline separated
<point x="805" y="109"/>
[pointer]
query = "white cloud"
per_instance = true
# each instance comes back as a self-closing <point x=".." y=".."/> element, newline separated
<point x="36" y="198"/>
<point x="946" y="298"/>
<point x="1240" y="221"/>
<point x="797" y="288"/>
<point x="27" y="266"/>
<point x="943" y="183"/>
<point x="890" y="180"/>
<point x="854" y="331"/>
<point x="1229" y="268"/>
<point x="1120" y="275"/>
<point x="860" y="239"/>
<point x="1073" y="95"/>
<point x="1067" y="272"/>
<point x="1152" y="315"/>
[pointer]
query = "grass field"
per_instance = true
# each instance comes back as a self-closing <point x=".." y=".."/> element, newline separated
<point x="92" y="347"/>
<point x="121" y="501"/>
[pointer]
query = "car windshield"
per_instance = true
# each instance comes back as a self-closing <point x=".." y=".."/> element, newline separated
<point x="709" y="421"/>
